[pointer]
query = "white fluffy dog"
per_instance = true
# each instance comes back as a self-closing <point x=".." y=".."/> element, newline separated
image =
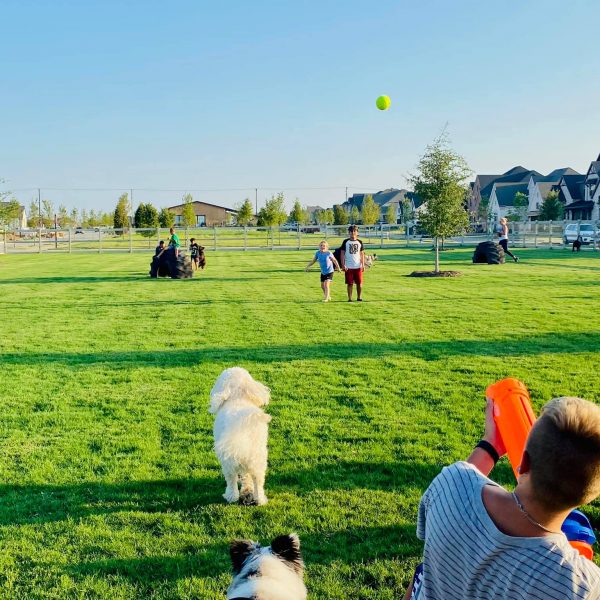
<point x="271" y="573"/>
<point x="241" y="433"/>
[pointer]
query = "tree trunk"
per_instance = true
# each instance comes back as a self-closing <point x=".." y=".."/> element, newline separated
<point x="437" y="255"/>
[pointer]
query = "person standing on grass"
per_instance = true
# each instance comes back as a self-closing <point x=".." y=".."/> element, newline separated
<point x="327" y="262"/>
<point x="195" y="253"/>
<point x="353" y="262"/>
<point x="503" y="241"/>
<point x="483" y="542"/>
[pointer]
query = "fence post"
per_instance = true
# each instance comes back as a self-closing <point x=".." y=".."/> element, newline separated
<point x="130" y="240"/>
<point x="535" y="234"/>
<point x="272" y="237"/>
<point x="40" y="240"/>
<point x="99" y="241"/>
<point x="381" y="237"/>
<point x="298" y="231"/>
<point x="214" y="237"/>
<point x="157" y="236"/>
<point x="4" y="237"/>
<point x="70" y="230"/>
<point x="245" y="237"/>
<point x="550" y="233"/>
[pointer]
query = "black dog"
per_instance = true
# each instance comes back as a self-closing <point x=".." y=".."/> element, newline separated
<point x="201" y="258"/>
<point x="577" y="245"/>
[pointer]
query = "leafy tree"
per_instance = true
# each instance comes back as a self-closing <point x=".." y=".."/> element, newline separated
<point x="121" y="214"/>
<point x="166" y="218"/>
<point x="146" y="218"/>
<point x="47" y="213"/>
<point x="74" y="217"/>
<point x="93" y="219"/>
<point x="298" y="214"/>
<point x="245" y="214"/>
<point x="340" y="216"/>
<point x="84" y="218"/>
<point x="33" y="220"/>
<point x="324" y="217"/>
<point x="188" y="216"/>
<point x="390" y="215"/>
<point x="520" y="205"/>
<point x="441" y="182"/>
<point x="64" y="219"/>
<point x="273" y="212"/>
<point x="484" y="212"/>
<point x="370" y="211"/>
<point x="9" y="211"/>
<point x="354" y="215"/>
<point x="552" y="208"/>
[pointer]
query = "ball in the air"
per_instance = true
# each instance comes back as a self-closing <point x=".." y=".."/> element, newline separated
<point x="383" y="102"/>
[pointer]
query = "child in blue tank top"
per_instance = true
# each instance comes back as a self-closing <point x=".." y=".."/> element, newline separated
<point x="328" y="264"/>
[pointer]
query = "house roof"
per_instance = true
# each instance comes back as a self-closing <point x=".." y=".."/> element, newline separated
<point x="580" y="204"/>
<point x="545" y="187"/>
<point x="515" y="175"/>
<point x="505" y="192"/>
<point x="230" y="210"/>
<point x="384" y="198"/>
<point x="575" y="186"/>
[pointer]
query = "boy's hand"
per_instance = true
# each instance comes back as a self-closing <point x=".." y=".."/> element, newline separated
<point x="491" y="434"/>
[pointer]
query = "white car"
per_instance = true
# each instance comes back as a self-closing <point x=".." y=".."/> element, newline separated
<point x="587" y="232"/>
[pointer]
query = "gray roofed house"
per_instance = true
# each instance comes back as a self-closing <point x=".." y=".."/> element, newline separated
<point x="540" y="186"/>
<point x="385" y="198"/>
<point x="502" y="198"/>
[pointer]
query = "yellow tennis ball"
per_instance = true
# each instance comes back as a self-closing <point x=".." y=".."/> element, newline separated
<point x="383" y="102"/>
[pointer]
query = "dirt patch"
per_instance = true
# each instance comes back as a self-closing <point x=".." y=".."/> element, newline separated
<point x="434" y="274"/>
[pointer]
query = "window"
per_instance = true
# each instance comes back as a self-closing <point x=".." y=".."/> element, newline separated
<point x="200" y="220"/>
<point x="178" y="220"/>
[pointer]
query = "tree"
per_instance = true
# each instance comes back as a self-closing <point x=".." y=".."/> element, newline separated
<point x="354" y="215"/>
<point x="84" y="218"/>
<point x="390" y="215"/>
<point x="440" y="181"/>
<point x="484" y="212"/>
<point x="370" y="211"/>
<point x="121" y="214"/>
<point x="9" y="211"/>
<point x="74" y="217"/>
<point x="520" y="205"/>
<point x="298" y="213"/>
<point x="245" y="214"/>
<point x="407" y="212"/>
<point x="188" y="216"/>
<point x="340" y="216"/>
<point x="34" y="214"/>
<point x="146" y="218"/>
<point x="273" y="212"/>
<point x="63" y="216"/>
<point x="552" y="208"/>
<point x="47" y="213"/>
<point x="166" y="218"/>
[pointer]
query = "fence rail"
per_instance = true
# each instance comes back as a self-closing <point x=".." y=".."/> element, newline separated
<point x="106" y="240"/>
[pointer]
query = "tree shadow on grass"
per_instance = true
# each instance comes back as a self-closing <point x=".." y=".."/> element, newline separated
<point x="22" y="504"/>
<point x="548" y="343"/>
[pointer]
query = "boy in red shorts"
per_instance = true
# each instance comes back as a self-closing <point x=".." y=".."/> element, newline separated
<point x="353" y="262"/>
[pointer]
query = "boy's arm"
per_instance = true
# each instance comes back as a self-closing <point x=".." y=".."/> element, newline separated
<point x="336" y="264"/>
<point x="480" y="458"/>
<point x="362" y="260"/>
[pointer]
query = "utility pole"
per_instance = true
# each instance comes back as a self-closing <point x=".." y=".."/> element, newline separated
<point x="39" y="208"/>
<point x="256" y="200"/>
<point x="131" y="207"/>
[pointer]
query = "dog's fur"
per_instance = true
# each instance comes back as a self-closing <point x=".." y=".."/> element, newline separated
<point x="369" y="258"/>
<point x="272" y="573"/>
<point x="201" y="257"/>
<point x="577" y="245"/>
<point x="241" y="432"/>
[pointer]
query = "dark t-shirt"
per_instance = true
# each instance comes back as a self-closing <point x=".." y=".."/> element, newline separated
<point x="194" y="250"/>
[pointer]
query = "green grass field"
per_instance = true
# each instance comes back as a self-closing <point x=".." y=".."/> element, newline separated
<point x="109" y="487"/>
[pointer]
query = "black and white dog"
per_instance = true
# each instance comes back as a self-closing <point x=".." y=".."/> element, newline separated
<point x="274" y="572"/>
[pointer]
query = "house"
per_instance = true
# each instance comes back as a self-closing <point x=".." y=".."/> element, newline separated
<point x="21" y="221"/>
<point x="540" y="186"/>
<point x="502" y="198"/>
<point x="312" y="213"/>
<point x="581" y="193"/>
<point x="386" y="198"/>
<point x="483" y="185"/>
<point x="207" y="214"/>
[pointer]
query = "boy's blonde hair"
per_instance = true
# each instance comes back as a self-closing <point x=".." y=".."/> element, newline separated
<point x="564" y="452"/>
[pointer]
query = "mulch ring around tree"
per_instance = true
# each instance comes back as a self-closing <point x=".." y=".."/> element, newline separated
<point x="434" y="274"/>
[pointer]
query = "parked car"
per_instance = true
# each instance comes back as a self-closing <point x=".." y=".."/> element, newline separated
<point x="587" y="232"/>
<point x="78" y="230"/>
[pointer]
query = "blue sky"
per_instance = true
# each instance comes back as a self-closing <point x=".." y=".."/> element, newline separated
<point x="205" y="95"/>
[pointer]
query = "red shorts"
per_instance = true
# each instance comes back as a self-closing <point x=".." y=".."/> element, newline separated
<point x="354" y="276"/>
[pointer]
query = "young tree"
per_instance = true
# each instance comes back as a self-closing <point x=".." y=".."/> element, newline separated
<point x="74" y="217"/>
<point x="354" y="215"/>
<point x="9" y="211"/>
<point x="146" y="218"/>
<point x="520" y="205"/>
<point x="370" y="211"/>
<point x="390" y="215"/>
<point x="297" y="214"/>
<point x="273" y="212"/>
<point x="47" y="213"/>
<point x="245" y="214"/>
<point x="121" y="214"/>
<point x="484" y="212"/>
<point x="188" y="216"/>
<point x="34" y="219"/>
<point x="340" y="216"/>
<point x="441" y="182"/>
<point x="552" y="208"/>
<point x="166" y="218"/>
<point x="63" y="216"/>
<point x="84" y="218"/>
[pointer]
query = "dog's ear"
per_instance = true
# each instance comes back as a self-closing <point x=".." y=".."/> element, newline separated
<point x="239" y="550"/>
<point x="287" y="547"/>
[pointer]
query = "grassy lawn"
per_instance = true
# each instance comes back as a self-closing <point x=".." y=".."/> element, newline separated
<point x="109" y="487"/>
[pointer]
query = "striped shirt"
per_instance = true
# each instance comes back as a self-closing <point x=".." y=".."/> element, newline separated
<point x="467" y="557"/>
